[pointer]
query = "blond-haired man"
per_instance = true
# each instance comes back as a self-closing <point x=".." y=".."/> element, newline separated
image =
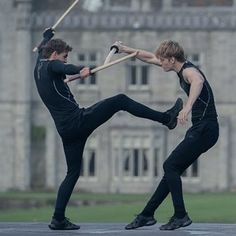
<point x="198" y="139"/>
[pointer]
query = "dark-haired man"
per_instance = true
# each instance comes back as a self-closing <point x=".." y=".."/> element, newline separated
<point x="74" y="124"/>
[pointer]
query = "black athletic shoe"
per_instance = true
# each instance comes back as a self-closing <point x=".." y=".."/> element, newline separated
<point x="62" y="225"/>
<point x="141" y="221"/>
<point x="175" y="223"/>
<point x="173" y="112"/>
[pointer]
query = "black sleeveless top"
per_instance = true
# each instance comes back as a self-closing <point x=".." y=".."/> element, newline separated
<point x="204" y="106"/>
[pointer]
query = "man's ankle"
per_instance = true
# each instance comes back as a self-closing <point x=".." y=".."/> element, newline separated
<point x="180" y="215"/>
<point x="58" y="217"/>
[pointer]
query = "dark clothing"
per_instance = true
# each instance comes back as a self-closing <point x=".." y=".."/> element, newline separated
<point x="75" y="139"/>
<point x="75" y="124"/>
<point x="198" y="139"/>
<point x="56" y="95"/>
<point x="204" y="106"/>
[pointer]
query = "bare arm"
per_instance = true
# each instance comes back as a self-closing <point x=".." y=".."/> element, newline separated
<point x="142" y="55"/>
<point x="195" y="79"/>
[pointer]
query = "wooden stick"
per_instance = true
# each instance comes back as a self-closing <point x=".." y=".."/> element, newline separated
<point x="65" y="13"/>
<point x="59" y="20"/>
<point x="103" y="66"/>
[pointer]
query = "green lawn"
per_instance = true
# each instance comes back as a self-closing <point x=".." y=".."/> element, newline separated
<point x="207" y="207"/>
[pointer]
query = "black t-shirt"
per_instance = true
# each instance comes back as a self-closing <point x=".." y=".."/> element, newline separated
<point x="204" y="106"/>
<point x="49" y="78"/>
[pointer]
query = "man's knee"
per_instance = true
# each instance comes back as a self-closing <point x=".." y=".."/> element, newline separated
<point x="167" y="166"/>
<point x="122" y="101"/>
<point x="121" y="97"/>
<point x="73" y="177"/>
<point x="74" y="172"/>
<point x="170" y="166"/>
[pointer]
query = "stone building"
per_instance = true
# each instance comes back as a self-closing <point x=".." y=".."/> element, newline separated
<point x="126" y="153"/>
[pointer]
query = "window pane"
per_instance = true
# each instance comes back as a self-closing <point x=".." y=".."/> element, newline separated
<point x="144" y="162"/>
<point x="136" y="163"/>
<point x="195" y="57"/>
<point x="92" y="57"/>
<point x="93" y="79"/>
<point x="91" y="163"/>
<point x="144" y="75"/>
<point x="126" y="162"/>
<point x="81" y="81"/>
<point x="133" y="79"/>
<point x="81" y="57"/>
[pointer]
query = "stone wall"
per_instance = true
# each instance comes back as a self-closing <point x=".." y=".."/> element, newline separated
<point x="23" y="157"/>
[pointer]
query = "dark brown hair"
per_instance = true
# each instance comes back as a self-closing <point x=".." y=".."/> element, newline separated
<point x="55" y="45"/>
<point x="168" y="49"/>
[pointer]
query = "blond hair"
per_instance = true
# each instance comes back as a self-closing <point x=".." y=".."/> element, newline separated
<point x="168" y="49"/>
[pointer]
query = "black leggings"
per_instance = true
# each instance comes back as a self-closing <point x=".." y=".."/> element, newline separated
<point x="198" y="139"/>
<point x="92" y="118"/>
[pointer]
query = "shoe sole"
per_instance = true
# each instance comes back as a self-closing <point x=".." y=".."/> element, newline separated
<point x="149" y="223"/>
<point x="182" y="226"/>
<point x="54" y="228"/>
<point x="187" y="223"/>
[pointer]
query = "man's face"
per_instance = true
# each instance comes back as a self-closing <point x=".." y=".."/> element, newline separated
<point x="62" y="57"/>
<point x="167" y="63"/>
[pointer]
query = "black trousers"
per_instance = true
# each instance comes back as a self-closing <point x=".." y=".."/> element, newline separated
<point x="198" y="139"/>
<point x="92" y="118"/>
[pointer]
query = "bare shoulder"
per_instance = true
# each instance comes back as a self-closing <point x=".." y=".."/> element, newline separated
<point x="190" y="74"/>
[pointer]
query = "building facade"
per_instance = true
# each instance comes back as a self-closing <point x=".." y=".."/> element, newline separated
<point x="125" y="154"/>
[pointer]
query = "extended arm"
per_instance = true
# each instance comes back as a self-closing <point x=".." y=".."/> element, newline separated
<point x="47" y="35"/>
<point x="142" y="55"/>
<point x="59" y="67"/>
<point x="195" y="79"/>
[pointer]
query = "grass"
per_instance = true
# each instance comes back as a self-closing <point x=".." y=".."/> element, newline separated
<point x="207" y="207"/>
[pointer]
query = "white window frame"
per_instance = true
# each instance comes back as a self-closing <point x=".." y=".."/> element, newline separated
<point x="136" y="139"/>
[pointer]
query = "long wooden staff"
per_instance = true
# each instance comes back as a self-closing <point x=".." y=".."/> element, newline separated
<point x="102" y="67"/>
<point x="59" y="20"/>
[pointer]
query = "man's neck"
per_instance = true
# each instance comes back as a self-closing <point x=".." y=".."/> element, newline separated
<point x="177" y="66"/>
